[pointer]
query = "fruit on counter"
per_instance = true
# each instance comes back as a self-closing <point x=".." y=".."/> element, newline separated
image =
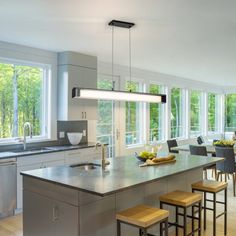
<point x="161" y="159"/>
<point x="147" y="155"/>
<point x="223" y="142"/>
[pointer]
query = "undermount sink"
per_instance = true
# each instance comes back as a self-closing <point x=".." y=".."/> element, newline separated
<point x="30" y="150"/>
<point x="86" y="166"/>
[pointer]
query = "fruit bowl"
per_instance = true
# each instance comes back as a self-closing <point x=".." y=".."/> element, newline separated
<point x="224" y="143"/>
<point x="143" y="156"/>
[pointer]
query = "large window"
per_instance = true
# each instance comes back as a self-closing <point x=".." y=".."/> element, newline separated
<point x="230" y="111"/>
<point x="176" y="113"/>
<point x="22" y="90"/>
<point x="213" y="112"/>
<point x="105" y="122"/>
<point x="156" y="127"/>
<point x="195" y="113"/>
<point x="134" y="117"/>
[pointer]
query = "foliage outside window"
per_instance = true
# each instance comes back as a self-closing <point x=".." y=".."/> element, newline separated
<point x="230" y="112"/>
<point x="176" y="113"/>
<point x="156" y="127"/>
<point x="212" y="112"/>
<point x="21" y="99"/>
<point x="105" y="122"/>
<point x="133" y="117"/>
<point x="195" y="113"/>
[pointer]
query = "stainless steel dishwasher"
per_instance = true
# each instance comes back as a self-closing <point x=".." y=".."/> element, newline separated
<point x="7" y="187"/>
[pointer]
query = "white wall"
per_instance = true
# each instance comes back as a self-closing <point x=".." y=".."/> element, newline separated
<point x="28" y="54"/>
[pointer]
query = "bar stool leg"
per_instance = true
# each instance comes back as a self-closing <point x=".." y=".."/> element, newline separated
<point x="185" y="222"/>
<point x="161" y="229"/>
<point x="200" y="219"/>
<point x="192" y="218"/>
<point x="145" y="232"/>
<point x="225" y="216"/>
<point x="166" y="227"/>
<point x="176" y="220"/>
<point x="214" y="214"/>
<point x="118" y="228"/>
<point x="205" y="211"/>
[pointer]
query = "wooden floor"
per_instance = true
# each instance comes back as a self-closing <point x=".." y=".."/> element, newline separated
<point x="12" y="226"/>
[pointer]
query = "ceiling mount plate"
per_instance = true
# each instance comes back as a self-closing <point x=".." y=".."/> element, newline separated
<point x="122" y="24"/>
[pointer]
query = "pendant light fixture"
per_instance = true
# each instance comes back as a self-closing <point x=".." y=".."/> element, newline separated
<point x="117" y="95"/>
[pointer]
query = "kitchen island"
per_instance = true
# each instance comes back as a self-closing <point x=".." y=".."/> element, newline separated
<point x="76" y="202"/>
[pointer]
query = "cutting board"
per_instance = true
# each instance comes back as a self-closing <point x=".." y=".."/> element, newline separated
<point x="157" y="164"/>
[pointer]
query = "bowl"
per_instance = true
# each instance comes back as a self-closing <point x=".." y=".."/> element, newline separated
<point x="74" y="137"/>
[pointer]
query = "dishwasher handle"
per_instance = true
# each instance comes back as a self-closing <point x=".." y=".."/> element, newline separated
<point x="7" y="163"/>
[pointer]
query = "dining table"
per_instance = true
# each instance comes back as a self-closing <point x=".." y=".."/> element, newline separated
<point x="209" y="147"/>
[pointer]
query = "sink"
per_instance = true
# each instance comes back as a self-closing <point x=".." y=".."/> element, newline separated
<point x="30" y="150"/>
<point x="86" y="166"/>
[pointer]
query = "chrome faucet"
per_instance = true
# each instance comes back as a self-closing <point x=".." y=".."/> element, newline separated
<point x="105" y="162"/>
<point x="29" y="126"/>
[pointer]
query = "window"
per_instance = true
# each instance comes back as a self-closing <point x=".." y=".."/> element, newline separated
<point x="22" y="99"/>
<point x="213" y="112"/>
<point x="105" y="122"/>
<point x="134" y="117"/>
<point x="177" y="113"/>
<point x="195" y="113"/>
<point x="230" y="111"/>
<point x="156" y="125"/>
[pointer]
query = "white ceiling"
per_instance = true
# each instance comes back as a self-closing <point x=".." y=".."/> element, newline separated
<point x="194" y="39"/>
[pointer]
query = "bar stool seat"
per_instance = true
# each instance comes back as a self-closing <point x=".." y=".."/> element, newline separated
<point x="142" y="217"/>
<point x="212" y="187"/>
<point x="183" y="200"/>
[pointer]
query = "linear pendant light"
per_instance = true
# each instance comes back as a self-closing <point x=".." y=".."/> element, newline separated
<point x="117" y="95"/>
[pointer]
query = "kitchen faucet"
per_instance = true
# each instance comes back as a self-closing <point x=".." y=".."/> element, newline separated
<point x="29" y="126"/>
<point x="104" y="161"/>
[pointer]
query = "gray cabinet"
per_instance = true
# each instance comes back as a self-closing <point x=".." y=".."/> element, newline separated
<point x="76" y="71"/>
<point x="35" y="162"/>
<point x="50" y="217"/>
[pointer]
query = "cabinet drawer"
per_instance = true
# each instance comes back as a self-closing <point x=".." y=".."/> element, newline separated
<point x="39" y="158"/>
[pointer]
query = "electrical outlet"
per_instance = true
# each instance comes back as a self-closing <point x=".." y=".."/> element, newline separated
<point x="62" y="134"/>
<point x="84" y="132"/>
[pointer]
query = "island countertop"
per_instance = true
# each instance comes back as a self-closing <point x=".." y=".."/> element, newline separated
<point x="121" y="174"/>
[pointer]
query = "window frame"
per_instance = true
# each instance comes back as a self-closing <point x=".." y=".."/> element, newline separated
<point x="183" y="108"/>
<point x="46" y="101"/>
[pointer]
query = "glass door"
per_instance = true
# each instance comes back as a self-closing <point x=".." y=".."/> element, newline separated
<point x="107" y="127"/>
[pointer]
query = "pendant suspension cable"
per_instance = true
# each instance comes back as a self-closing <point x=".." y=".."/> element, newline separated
<point x="130" y="58"/>
<point x="112" y="59"/>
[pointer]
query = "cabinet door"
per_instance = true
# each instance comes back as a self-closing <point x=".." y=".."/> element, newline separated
<point x="51" y="217"/>
<point x="19" y="181"/>
<point x="90" y="105"/>
<point x="75" y="106"/>
<point x="74" y="157"/>
<point x="82" y="109"/>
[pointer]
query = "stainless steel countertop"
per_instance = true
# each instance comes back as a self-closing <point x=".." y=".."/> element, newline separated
<point x="43" y="150"/>
<point x="123" y="173"/>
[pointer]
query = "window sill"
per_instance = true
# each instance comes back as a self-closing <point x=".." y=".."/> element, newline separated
<point x="16" y="142"/>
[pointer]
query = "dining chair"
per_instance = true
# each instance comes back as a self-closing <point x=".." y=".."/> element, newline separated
<point x="200" y="140"/>
<point x="227" y="167"/>
<point x="202" y="151"/>
<point x="172" y="143"/>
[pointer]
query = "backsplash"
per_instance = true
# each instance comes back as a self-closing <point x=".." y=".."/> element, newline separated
<point x="71" y="126"/>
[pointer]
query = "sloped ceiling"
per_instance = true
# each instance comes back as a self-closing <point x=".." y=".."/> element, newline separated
<point x="194" y="39"/>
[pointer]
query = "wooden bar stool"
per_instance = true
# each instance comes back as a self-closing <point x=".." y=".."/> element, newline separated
<point x="142" y="217"/>
<point x="213" y="187"/>
<point x="183" y="200"/>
